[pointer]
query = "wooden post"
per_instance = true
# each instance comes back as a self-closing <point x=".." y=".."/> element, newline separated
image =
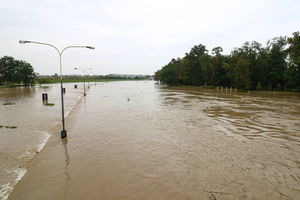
<point x="45" y="97"/>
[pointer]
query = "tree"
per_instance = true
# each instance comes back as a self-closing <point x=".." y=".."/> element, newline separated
<point x="277" y="62"/>
<point x="26" y="73"/>
<point x="293" y="72"/>
<point x="16" y="71"/>
<point x="7" y="69"/>
<point x="251" y="66"/>
<point x="242" y="74"/>
<point x="157" y="75"/>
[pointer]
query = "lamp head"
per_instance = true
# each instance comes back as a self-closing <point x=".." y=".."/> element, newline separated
<point x="89" y="47"/>
<point x="24" y="41"/>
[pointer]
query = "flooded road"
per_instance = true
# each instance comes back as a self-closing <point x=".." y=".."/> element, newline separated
<point x="138" y="140"/>
<point x="33" y="123"/>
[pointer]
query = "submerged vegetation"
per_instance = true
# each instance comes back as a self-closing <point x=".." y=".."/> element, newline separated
<point x="275" y="66"/>
<point x="8" y="127"/>
<point x="8" y="103"/>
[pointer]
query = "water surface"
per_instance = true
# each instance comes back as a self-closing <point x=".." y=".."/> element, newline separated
<point x="139" y="140"/>
<point x="34" y="123"/>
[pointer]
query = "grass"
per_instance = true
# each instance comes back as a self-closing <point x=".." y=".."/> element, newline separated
<point x="70" y="80"/>
<point x="73" y="80"/>
<point x="49" y="104"/>
<point x="9" y="103"/>
<point x="45" y="87"/>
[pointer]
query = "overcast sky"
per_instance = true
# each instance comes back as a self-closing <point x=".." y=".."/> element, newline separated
<point x="135" y="36"/>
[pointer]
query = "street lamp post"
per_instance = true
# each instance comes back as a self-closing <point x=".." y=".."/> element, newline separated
<point x="83" y="72"/>
<point x="63" y="131"/>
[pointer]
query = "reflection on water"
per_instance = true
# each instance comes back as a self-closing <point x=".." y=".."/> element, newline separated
<point x="67" y="162"/>
<point x="65" y="145"/>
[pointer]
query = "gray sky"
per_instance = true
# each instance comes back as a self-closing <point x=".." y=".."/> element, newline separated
<point x="136" y="36"/>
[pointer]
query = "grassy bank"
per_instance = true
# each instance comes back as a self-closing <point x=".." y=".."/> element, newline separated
<point x="70" y="80"/>
<point x="91" y="80"/>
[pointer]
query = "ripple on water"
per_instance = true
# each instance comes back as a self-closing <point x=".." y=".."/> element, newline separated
<point x="6" y="189"/>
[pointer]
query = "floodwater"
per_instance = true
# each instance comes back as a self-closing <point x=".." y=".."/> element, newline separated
<point x="139" y="140"/>
<point x="34" y="122"/>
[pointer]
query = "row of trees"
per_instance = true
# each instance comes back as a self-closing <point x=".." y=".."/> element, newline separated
<point x="252" y="66"/>
<point x="16" y="72"/>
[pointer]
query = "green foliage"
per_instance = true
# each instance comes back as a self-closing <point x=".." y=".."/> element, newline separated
<point x="258" y="86"/>
<point x="44" y="81"/>
<point x="15" y="72"/>
<point x="293" y="51"/>
<point x="275" y="66"/>
<point x="242" y="74"/>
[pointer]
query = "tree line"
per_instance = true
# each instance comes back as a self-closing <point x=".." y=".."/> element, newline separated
<point x="14" y="72"/>
<point x="274" y="66"/>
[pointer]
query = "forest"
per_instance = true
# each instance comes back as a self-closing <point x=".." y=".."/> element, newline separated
<point x="253" y="66"/>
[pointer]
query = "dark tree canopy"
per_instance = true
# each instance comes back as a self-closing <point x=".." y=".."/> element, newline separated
<point x="252" y="66"/>
<point x="15" y="72"/>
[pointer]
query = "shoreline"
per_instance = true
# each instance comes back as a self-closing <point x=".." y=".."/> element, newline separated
<point x="202" y="88"/>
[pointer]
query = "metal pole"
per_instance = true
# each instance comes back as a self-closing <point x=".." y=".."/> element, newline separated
<point x="84" y="87"/>
<point x="63" y="133"/>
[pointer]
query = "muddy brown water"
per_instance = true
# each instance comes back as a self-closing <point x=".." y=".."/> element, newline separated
<point x="139" y="140"/>
<point x="34" y="122"/>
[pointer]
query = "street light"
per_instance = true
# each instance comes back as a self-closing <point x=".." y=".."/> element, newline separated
<point x="64" y="131"/>
<point x="83" y="72"/>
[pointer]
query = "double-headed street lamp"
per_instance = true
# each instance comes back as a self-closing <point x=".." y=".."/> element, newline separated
<point x="83" y="70"/>
<point x="63" y="132"/>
